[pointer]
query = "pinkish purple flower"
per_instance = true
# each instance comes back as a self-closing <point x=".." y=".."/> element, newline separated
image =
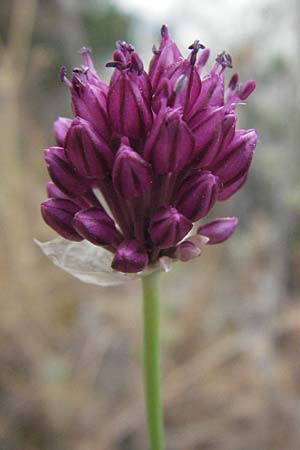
<point x="146" y="157"/>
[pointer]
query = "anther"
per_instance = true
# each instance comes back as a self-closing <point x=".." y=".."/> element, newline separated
<point x="195" y="47"/>
<point x="224" y="59"/>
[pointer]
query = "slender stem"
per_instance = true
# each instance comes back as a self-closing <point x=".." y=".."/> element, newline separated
<point x="152" y="362"/>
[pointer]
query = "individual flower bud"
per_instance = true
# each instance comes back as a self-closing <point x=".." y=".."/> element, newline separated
<point x="89" y="98"/>
<point x="131" y="173"/>
<point x="130" y="257"/>
<point x="190" y="248"/>
<point x="97" y="227"/>
<point x="218" y="230"/>
<point x="88" y="152"/>
<point x="54" y="192"/>
<point x="170" y="144"/>
<point x="61" y="127"/>
<point x="197" y="195"/>
<point x="62" y="172"/>
<point x="246" y="89"/>
<point x="128" y="99"/>
<point x="166" y="55"/>
<point x="58" y="213"/>
<point x="206" y="127"/>
<point x="233" y="164"/>
<point x="228" y="130"/>
<point x="168" y="226"/>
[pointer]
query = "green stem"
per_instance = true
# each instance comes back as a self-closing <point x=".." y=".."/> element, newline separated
<point x="152" y="362"/>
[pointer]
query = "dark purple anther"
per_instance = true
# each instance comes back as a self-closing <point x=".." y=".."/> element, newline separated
<point x="224" y="59"/>
<point x="168" y="226"/>
<point x="196" y="46"/>
<point x="197" y="195"/>
<point x="131" y="173"/>
<point x="218" y="230"/>
<point x="130" y="257"/>
<point x="97" y="227"/>
<point x="58" y="213"/>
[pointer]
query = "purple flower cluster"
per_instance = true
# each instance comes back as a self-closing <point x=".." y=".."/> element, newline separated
<point x="149" y="155"/>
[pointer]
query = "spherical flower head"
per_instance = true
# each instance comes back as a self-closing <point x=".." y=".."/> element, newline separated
<point x="143" y="160"/>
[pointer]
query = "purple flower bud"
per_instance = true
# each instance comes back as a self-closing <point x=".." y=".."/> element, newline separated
<point x="218" y="230"/>
<point x="62" y="173"/>
<point x="54" y="192"/>
<point x="247" y="89"/>
<point x="131" y="173"/>
<point x="207" y="127"/>
<point x="170" y="144"/>
<point x="190" y="248"/>
<point x="89" y="99"/>
<point x="233" y="82"/>
<point x="97" y="227"/>
<point x="165" y="56"/>
<point x="130" y="257"/>
<point x="232" y="166"/>
<point x="61" y="127"/>
<point x="197" y="195"/>
<point x="88" y="152"/>
<point x="128" y="100"/>
<point x="168" y="226"/>
<point x="58" y="213"/>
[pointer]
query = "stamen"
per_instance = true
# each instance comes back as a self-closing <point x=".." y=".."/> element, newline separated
<point x="124" y="47"/>
<point x="115" y="64"/>
<point x="136" y="64"/>
<point x="80" y="70"/>
<point x="224" y="59"/>
<point x="195" y="47"/>
<point x="63" y="76"/>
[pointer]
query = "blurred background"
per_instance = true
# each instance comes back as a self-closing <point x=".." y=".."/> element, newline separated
<point x="70" y="361"/>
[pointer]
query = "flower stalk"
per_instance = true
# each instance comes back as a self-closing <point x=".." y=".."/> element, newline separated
<point x="151" y="355"/>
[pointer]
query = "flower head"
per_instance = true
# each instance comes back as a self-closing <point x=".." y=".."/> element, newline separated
<point x="146" y="157"/>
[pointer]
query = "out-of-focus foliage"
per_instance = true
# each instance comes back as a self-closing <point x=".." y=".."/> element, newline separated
<point x="70" y="373"/>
